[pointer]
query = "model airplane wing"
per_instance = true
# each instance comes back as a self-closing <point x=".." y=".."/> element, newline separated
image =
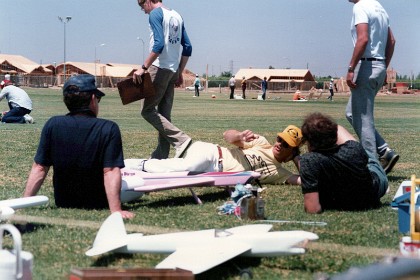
<point x="231" y="178"/>
<point x="8" y="207"/>
<point x="219" y="178"/>
<point x="198" y="260"/>
<point x="23" y="202"/>
<point x="147" y="175"/>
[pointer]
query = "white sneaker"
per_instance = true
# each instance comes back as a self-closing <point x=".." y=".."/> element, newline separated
<point x="28" y="119"/>
<point x="181" y="149"/>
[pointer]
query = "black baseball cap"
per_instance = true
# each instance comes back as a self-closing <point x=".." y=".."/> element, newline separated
<point x="82" y="83"/>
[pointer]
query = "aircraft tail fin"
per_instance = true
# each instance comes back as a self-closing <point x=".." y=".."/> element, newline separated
<point x="111" y="236"/>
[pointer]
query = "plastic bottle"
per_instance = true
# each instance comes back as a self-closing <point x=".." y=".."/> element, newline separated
<point x="252" y="208"/>
<point x="260" y="215"/>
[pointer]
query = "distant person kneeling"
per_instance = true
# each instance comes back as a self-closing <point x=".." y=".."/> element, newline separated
<point x="20" y="104"/>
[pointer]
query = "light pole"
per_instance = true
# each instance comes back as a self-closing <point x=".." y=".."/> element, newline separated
<point x="138" y="38"/>
<point x="101" y="45"/>
<point x="64" y="21"/>
<point x="288" y="67"/>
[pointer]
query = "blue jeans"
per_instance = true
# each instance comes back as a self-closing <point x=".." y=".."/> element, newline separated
<point x="359" y="110"/>
<point x="197" y="91"/>
<point x="375" y="167"/>
<point x="157" y="111"/>
<point x="15" y="115"/>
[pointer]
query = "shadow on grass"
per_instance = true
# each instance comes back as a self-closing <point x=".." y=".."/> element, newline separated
<point x="397" y="178"/>
<point x="109" y="259"/>
<point x="181" y="200"/>
<point x="29" y="227"/>
<point x="229" y="269"/>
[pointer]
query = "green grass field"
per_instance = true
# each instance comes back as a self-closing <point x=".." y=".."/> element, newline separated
<point x="58" y="238"/>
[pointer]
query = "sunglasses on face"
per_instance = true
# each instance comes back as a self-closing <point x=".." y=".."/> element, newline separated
<point x="98" y="97"/>
<point x="283" y="143"/>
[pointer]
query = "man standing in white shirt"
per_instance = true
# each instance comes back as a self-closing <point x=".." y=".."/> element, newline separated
<point x="232" y="82"/>
<point x="373" y="49"/>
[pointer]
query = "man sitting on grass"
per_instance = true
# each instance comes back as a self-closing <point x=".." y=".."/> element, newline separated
<point x="85" y="152"/>
<point x="252" y="153"/>
<point x="337" y="173"/>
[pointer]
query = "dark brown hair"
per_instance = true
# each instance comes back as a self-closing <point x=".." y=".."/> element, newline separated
<point x="320" y="131"/>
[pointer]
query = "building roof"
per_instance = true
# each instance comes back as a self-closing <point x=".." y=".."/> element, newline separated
<point x="19" y="64"/>
<point x="274" y="74"/>
<point x="109" y="69"/>
<point x="22" y="63"/>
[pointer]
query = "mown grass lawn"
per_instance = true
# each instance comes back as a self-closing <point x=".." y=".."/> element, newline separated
<point x="58" y="238"/>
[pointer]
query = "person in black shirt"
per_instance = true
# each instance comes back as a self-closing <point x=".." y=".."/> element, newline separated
<point x="84" y="151"/>
<point x="337" y="172"/>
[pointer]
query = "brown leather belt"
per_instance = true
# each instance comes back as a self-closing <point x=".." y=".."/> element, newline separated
<point x="220" y="164"/>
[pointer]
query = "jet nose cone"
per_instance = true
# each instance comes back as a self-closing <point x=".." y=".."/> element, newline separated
<point x="311" y="236"/>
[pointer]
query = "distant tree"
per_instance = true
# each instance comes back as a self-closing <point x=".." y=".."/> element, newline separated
<point x="271" y="67"/>
<point x="226" y="74"/>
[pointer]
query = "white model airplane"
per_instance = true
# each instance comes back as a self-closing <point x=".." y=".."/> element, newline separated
<point x="198" y="251"/>
<point x="135" y="183"/>
<point x="8" y="207"/>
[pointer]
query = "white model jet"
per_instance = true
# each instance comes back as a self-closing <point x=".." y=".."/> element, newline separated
<point x="198" y="251"/>
<point x="8" y="207"/>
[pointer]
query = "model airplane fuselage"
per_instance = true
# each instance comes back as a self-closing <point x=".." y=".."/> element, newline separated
<point x="199" y="251"/>
<point x="135" y="182"/>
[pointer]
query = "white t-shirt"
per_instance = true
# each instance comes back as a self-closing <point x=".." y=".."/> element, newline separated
<point x="372" y="13"/>
<point x="16" y="96"/>
<point x="172" y="25"/>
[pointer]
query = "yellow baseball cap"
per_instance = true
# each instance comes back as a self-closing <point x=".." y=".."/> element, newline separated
<point x="292" y="135"/>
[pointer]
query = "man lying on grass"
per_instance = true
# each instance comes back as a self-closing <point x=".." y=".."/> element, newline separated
<point x="337" y="173"/>
<point x="252" y="153"/>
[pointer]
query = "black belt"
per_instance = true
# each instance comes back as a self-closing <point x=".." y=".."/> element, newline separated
<point x="372" y="59"/>
<point x="220" y="164"/>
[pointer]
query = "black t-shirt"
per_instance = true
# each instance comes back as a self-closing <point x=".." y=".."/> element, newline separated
<point x="341" y="177"/>
<point x="79" y="147"/>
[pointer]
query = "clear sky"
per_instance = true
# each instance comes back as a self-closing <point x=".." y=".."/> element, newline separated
<point x="226" y="35"/>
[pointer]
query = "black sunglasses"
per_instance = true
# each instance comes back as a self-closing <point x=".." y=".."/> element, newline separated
<point x="283" y="143"/>
<point x="98" y="97"/>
